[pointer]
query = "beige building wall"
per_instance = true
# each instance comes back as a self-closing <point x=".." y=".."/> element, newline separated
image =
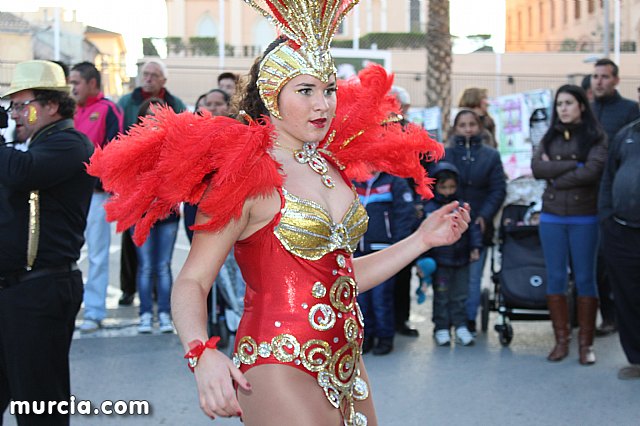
<point x="554" y="25"/>
<point x="500" y="74"/>
<point x="16" y="47"/>
<point x="243" y="27"/>
<point x="111" y="61"/>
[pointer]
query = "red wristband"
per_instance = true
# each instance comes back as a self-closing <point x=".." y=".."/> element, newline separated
<point x="196" y="347"/>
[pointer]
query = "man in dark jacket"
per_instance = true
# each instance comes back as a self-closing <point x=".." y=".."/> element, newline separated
<point x="49" y="193"/>
<point x="153" y="77"/>
<point x="620" y="215"/>
<point x="389" y="203"/>
<point x="614" y="112"/>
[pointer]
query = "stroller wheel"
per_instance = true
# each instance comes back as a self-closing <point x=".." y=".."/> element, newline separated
<point x="484" y="314"/>
<point x="505" y="334"/>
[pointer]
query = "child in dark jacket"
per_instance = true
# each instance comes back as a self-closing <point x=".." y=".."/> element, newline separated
<point x="451" y="278"/>
<point x="390" y="206"/>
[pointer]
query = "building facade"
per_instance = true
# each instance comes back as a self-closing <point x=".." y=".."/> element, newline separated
<point x="247" y="32"/>
<point x="30" y="35"/>
<point x="569" y="25"/>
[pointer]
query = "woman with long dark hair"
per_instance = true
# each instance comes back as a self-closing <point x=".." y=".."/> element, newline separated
<point x="571" y="158"/>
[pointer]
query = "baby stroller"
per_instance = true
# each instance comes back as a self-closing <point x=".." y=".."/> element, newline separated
<point x="519" y="285"/>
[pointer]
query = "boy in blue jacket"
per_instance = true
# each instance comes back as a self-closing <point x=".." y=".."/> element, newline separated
<point x="451" y="278"/>
<point x="389" y="203"/>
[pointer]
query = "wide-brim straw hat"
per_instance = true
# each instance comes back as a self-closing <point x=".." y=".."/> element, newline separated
<point x="37" y="74"/>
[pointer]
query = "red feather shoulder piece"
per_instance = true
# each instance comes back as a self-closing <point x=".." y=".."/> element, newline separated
<point x="364" y="140"/>
<point x="215" y="162"/>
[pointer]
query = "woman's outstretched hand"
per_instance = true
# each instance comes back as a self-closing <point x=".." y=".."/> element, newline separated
<point x="215" y="374"/>
<point x="444" y="226"/>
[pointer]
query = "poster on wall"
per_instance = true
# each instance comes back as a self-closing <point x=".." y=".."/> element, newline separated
<point x="521" y="121"/>
<point x="349" y="61"/>
<point x="429" y="119"/>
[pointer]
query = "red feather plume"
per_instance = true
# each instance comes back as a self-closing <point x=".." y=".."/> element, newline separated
<point x="365" y="146"/>
<point x="170" y="158"/>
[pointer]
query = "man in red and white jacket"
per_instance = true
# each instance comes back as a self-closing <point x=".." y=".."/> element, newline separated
<point x="101" y="120"/>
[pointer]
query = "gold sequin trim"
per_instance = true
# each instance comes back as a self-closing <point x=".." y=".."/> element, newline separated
<point x="343" y="365"/>
<point x="322" y="317"/>
<point x="307" y="230"/>
<point x="247" y="350"/>
<point x="315" y="355"/>
<point x="343" y="293"/>
<point x="285" y="347"/>
<point x="359" y="315"/>
<point x="351" y="330"/>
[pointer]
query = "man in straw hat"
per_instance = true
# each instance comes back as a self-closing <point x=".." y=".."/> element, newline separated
<point x="40" y="285"/>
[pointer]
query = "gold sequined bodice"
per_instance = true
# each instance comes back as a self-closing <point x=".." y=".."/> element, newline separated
<point x="307" y="230"/>
<point x="300" y="302"/>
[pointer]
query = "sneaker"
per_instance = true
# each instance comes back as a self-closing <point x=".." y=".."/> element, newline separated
<point x="89" y="326"/>
<point x="463" y="337"/>
<point x="146" y="323"/>
<point x="165" y="322"/>
<point x="442" y="337"/>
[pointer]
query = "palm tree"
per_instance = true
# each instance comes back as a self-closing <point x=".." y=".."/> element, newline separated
<point x="439" y="59"/>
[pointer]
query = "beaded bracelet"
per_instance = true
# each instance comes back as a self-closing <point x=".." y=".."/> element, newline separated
<point x="196" y="347"/>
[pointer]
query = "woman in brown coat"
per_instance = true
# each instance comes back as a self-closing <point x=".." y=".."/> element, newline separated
<point x="571" y="157"/>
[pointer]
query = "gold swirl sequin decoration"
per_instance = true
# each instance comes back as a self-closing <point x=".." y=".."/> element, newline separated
<point x="247" y="352"/>
<point x="285" y="347"/>
<point x="310" y="26"/>
<point x="337" y="370"/>
<point x="322" y="317"/>
<point x="315" y="355"/>
<point x="307" y="230"/>
<point x="343" y="293"/>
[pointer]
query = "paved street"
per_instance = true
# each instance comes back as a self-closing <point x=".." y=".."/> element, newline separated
<point x="417" y="384"/>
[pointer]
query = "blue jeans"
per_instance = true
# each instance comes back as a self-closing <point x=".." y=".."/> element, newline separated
<point x="475" y="283"/>
<point x="98" y="237"/>
<point x="189" y="218"/>
<point x="578" y="243"/>
<point x="450" y="288"/>
<point x="377" y="308"/>
<point x="154" y="261"/>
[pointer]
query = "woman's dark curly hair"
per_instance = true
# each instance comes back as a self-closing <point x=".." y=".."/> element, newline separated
<point x="249" y="100"/>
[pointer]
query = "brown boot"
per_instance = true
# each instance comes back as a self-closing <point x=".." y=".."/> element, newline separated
<point x="559" y="312"/>
<point x="587" y="310"/>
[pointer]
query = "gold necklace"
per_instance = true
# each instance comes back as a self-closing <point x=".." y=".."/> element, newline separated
<point x="309" y="155"/>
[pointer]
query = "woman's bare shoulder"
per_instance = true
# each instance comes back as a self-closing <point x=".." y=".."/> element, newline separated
<point x="260" y="211"/>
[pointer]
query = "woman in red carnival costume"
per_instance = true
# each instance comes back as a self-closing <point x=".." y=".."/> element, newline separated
<point x="278" y="190"/>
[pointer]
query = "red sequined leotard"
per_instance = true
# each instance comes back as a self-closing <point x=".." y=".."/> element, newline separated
<point x="300" y="303"/>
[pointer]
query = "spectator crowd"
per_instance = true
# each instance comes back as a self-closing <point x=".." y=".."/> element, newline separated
<point x="589" y="222"/>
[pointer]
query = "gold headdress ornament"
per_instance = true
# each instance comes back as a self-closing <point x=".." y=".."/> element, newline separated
<point x="310" y="26"/>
